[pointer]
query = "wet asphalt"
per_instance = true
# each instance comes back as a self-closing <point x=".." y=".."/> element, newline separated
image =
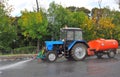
<point x="90" y="67"/>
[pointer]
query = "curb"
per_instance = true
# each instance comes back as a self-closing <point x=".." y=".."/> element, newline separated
<point x="18" y="57"/>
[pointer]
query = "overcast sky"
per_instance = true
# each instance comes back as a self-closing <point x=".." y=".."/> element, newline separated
<point x="19" y="5"/>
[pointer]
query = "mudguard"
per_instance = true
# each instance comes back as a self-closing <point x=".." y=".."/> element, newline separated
<point x="74" y="42"/>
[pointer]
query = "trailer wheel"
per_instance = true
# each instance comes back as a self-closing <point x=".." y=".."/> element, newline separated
<point x="111" y="53"/>
<point x="51" y="56"/>
<point x="99" y="55"/>
<point x="79" y="52"/>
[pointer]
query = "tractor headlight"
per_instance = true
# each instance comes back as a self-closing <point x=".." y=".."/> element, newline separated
<point x="63" y="40"/>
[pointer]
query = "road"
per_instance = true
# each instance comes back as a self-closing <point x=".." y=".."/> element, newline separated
<point x="90" y="67"/>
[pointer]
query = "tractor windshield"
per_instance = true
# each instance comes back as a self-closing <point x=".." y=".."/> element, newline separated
<point x="78" y="35"/>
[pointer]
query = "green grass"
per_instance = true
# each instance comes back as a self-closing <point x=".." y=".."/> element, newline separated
<point x="10" y="55"/>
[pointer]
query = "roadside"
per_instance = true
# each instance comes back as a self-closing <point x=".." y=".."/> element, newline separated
<point x="24" y="56"/>
<point x="16" y="57"/>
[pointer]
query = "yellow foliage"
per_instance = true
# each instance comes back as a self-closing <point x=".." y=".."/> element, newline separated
<point x="88" y="23"/>
<point x="31" y="18"/>
<point x="106" y="23"/>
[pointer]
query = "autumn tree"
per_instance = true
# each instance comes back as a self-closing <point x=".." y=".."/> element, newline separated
<point x="33" y="25"/>
<point x="103" y="19"/>
<point x="88" y="28"/>
<point x="105" y="28"/>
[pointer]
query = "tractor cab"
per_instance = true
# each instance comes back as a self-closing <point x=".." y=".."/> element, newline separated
<point x="69" y="35"/>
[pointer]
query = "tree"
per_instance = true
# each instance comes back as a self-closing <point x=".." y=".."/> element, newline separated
<point x="57" y="19"/>
<point x="95" y="15"/>
<point x="105" y="28"/>
<point x="7" y="30"/>
<point x="34" y="25"/>
<point x="118" y="2"/>
<point x="72" y="8"/>
<point x="77" y="9"/>
<point x="116" y="18"/>
<point x="88" y="28"/>
<point x="60" y="16"/>
<point x="107" y="25"/>
<point x="77" y="19"/>
<point x="116" y="33"/>
<point x="116" y="21"/>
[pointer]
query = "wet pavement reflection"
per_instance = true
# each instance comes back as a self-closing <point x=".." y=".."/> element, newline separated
<point x="91" y="67"/>
<point x="100" y="66"/>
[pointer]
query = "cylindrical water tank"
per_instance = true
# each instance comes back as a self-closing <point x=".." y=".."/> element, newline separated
<point x="103" y="44"/>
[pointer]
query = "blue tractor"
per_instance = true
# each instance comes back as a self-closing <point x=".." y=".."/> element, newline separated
<point x="71" y="45"/>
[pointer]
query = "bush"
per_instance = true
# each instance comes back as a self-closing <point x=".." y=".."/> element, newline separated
<point x="5" y="50"/>
<point x="25" y="50"/>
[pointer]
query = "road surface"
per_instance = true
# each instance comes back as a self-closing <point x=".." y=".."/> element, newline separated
<point x="91" y="67"/>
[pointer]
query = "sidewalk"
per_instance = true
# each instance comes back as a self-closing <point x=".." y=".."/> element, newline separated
<point x="16" y="57"/>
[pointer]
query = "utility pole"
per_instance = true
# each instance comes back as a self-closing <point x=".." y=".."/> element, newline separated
<point x="37" y="5"/>
<point x="38" y="41"/>
<point x="99" y="13"/>
<point x="99" y="3"/>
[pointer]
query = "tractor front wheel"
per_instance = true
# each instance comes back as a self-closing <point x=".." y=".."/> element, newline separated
<point x="51" y="56"/>
<point x="79" y="52"/>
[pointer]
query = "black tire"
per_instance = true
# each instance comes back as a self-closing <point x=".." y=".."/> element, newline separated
<point x="51" y="56"/>
<point x="68" y="56"/>
<point x="99" y="55"/>
<point x="111" y="53"/>
<point x="79" y="52"/>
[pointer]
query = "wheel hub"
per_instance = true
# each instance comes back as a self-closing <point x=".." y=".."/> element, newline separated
<point x="79" y="52"/>
<point x="111" y="54"/>
<point x="51" y="57"/>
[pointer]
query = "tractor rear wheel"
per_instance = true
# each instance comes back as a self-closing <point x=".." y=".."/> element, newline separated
<point x="111" y="53"/>
<point x="79" y="52"/>
<point x="51" y="56"/>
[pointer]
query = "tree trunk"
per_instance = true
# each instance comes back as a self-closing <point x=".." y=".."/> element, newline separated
<point x="38" y="46"/>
